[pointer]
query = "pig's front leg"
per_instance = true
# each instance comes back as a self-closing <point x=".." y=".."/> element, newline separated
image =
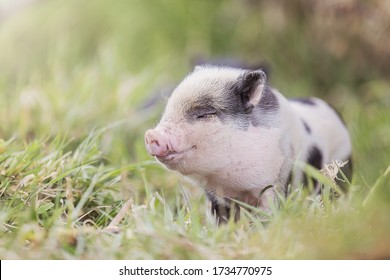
<point x="222" y="211"/>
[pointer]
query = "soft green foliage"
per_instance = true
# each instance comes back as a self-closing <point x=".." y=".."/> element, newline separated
<point x="75" y="77"/>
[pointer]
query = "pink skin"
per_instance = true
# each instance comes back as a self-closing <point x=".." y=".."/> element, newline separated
<point x="157" y="144"/>
<point x="163" y="146"/>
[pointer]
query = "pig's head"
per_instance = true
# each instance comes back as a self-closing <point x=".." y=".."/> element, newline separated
<point x="204" y="111"/>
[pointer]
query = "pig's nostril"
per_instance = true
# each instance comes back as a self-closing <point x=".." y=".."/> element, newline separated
<point x="156" y="142"/>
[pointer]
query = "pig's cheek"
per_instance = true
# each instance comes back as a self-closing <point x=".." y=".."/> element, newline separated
<point x="205" y="139"/>
<point x="182" y="139"/>
<point x="199" y="137"/>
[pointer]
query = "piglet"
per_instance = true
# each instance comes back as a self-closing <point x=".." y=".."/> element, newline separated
<point x="232" y="134"/>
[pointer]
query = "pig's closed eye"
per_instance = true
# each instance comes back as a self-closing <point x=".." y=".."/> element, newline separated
<point x="202" y="113"/>
<point x="207" y="115"/>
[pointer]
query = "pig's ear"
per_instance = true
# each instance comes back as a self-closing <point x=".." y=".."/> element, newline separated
<point x="250" y="87"/>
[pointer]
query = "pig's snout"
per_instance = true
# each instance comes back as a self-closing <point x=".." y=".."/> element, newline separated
<point x="157" y="144"/>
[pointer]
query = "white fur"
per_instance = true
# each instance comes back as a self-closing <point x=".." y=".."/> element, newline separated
<point x="327" y="130"/>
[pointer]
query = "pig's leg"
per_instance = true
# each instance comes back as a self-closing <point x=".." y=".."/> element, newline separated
<point x="315" y="159"/>
<point x="223" y="211"/>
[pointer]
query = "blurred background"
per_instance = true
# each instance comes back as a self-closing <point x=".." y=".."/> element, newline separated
<point x="81" y="82"/>
<point x="67" y="67"/>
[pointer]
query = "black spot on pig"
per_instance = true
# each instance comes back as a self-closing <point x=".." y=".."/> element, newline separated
<point x="268" y="101"/>
<point x="315" y="157"/>
<point x="228" y="108"/>
<point x="306" y="101"/>
<point x="307" y="127"/>
<point x="234" y="104"/>
<point x="315" y="160"/>
<point x="266" y="111"/>
<point x="222" y="211"/>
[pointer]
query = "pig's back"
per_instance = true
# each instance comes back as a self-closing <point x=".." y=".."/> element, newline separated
<point x="323" y="129"/>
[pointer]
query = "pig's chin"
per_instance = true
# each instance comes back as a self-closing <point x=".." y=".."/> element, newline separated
<point x="173" y="160"/>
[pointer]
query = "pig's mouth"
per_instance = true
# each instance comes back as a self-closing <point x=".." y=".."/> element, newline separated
<point x="171" y="155"/>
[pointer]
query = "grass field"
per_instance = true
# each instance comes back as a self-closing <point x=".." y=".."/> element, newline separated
<point x="80" y="83"/>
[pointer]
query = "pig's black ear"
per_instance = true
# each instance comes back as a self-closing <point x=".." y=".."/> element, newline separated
<point x="250" y="88"/>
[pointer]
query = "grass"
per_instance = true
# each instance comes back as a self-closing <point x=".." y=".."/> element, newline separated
<point x="79" y="88"/>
